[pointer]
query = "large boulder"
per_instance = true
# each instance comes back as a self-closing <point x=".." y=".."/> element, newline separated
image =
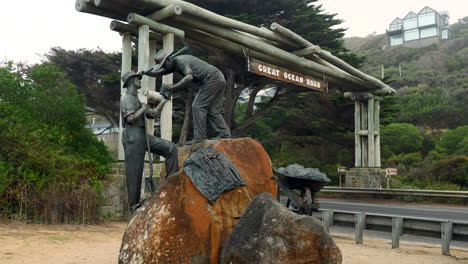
<point x="180" y="225"/>
<point x="269" y="233"/>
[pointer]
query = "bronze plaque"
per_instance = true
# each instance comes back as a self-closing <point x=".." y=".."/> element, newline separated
<point x="286" y="75"/>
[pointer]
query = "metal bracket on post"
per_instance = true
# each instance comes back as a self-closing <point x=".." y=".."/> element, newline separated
<point x="397" y="230"/>
<point x="447" y="230"/>
<point x="360" y="225"/>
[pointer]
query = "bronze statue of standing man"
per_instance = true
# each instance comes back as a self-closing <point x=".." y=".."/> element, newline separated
<point x="208" y="102"/>
<point x="134" y="139"/>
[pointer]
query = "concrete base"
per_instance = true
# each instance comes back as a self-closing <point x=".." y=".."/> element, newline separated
<point x="365" y="178"/>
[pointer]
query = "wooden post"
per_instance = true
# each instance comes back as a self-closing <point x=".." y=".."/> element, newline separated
<point x="377" y="133"/>
<point x="143" y="53"/>
<point x="166" y="114"/>
<point x="360" y="225"/>
<point x="327" y="219"/>
<point x="172" y="10"/>
<point x="151" y="81"/>
<point x="370" y="133"/>
<point x="155" y="26"/>
<point x="446" y="228"/>
<point x="397" y="230"/>
<point x="357" y="137"/>
<point x="130" y="28"/>
<point x="364" y="138"/>
<point x="125" y="67"/>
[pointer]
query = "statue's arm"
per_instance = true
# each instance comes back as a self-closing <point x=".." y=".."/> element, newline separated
<point x="132" y="117"/>
<point x="182" y="83"/>
<point x="151" y="113"/>
<point x="153" y="73"/>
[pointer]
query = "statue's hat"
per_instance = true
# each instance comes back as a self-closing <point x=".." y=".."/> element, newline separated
<point x="160" y="58"/>
<point x="128" y="75"/>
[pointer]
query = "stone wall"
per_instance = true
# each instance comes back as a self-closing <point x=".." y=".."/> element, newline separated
<point x="418" y="43"/>
<point x="115" y="205"/>
<point x="365" y="178"/>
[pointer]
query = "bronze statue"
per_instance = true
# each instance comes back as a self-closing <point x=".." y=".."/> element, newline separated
<point x="208" y="102"/>
<point x="135" y="139"/>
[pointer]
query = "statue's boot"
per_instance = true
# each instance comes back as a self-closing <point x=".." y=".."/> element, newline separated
<point x="194" y="141"/>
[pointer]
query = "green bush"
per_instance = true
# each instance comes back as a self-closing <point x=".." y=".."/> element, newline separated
<point x="50" y="165"/>
<point x="451" y="170"/>
<point x="409" y="160"/>
<point x="401" y="138"/>
<point x="454" y="141"/>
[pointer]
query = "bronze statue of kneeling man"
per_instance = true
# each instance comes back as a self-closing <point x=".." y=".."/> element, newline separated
<point x="208" y="102"/>
<point x="134" y="139"/>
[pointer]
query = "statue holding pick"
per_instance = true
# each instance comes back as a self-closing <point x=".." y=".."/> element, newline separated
<point x="135" y="139"/>
<point x="208" y="102"/>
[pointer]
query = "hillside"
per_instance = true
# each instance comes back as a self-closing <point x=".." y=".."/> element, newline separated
<point x="433" y="86"/>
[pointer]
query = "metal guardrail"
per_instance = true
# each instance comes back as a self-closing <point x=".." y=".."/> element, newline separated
<point x="403" y="192"/>
<point x="396" y="225"/>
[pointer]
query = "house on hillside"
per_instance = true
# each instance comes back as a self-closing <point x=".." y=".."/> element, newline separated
<point x="419" y="30"/>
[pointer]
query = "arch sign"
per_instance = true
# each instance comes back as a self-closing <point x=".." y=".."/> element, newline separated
<point x="286" y="75"/>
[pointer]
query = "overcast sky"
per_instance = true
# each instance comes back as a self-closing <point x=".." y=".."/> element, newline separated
<point x="30" y="27"/>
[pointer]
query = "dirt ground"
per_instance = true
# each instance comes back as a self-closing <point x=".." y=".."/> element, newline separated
<point x="72" y="244"/>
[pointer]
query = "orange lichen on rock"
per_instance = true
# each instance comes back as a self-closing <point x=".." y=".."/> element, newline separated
<point x="180" y="225"/>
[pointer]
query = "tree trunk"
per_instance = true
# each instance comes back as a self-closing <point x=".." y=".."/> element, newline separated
<point x="250" y="106"/>
<point x="240" y="130"/>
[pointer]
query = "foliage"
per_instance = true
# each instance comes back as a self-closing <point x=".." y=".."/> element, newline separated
<point x="432" y="81"/>
<point x="459" y="30"/>
<point x="50" y="165"/>
<point x="401" y="138"/>
<point x="96" y="74"/>
<point x="452" y="169"/>
<point x="454" y="141"/>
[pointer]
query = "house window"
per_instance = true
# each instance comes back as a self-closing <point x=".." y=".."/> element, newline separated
<point x="410" y="23"/>
<point x="428" y="32"/>
<point x="395" y="27"/>
<point x="396" y="40"/>
<point x="411" y="34"/>
<point x="444" y="33"/>
<point x="426" y="19"/>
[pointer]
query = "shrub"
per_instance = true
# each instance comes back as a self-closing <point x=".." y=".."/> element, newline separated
<point x="50" y="165"/>
<point x="401" y="138"/>
<point x="451" y="170"/>
<point x="454" y="141"/>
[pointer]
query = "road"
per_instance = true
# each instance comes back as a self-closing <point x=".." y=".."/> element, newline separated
<point x="444" y="212"/>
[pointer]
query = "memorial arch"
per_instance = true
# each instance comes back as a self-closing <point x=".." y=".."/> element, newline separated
<point x="276" y="52"/>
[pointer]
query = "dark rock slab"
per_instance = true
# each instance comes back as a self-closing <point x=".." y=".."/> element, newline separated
<point x="269" y="233"/>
